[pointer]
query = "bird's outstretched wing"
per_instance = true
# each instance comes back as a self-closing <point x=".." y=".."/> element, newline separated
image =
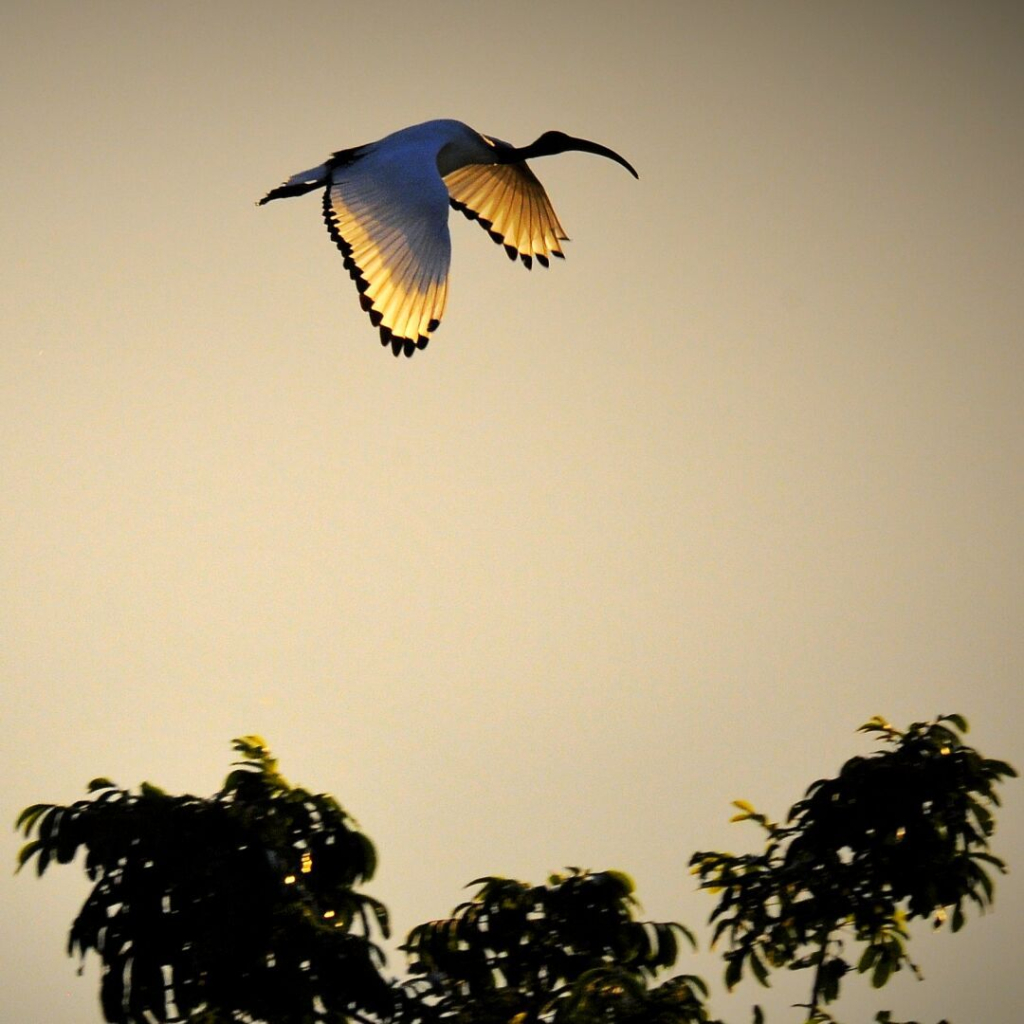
<point x="512" y="207"/>
<point x="389" y="218"/>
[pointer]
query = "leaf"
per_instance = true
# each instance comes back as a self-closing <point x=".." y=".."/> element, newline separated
<point x="723" y="924"/>
<point x="1001" y="768"/>
<point x="254" y="748"/>
<point x="983" y="814"/>
<point x="100" y="783"/>
<point x="668" y="947"/>
<point x="686" y="933"/>
<point x="487" y="880"/>
<point x="30" y="816"/>
<point x="27" y="851"/>
<point x="45" y="830"/>
<point x="694" y="981"/>
<point x="983" y="880"/>
<point x="759" y="969"/>
<point x="958" y="918"/>
<point x="43" y="860"/>
<point x="882" y="972"/>
<point x="733" y="971"/>
<point x="988" y="858"/>
<point x="868" y="958"/>
<point x="876" y="724"/>
<point x="958" y="720"/>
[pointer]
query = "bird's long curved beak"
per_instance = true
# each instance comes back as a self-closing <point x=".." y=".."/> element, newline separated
<point x="586" y="146"/>
<point x="551" y="143"/>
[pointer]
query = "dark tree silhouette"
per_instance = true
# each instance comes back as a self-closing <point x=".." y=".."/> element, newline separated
<point x="235" y="907"/>
<point x="243" y="906"/>
<point x="570" y="950"/>
<point x="900" y="834"/>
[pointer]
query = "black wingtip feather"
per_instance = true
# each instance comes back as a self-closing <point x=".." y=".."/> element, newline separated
<point x="286" y="191"/>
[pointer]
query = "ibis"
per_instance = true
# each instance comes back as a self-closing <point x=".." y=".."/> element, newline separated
<point x="386" y="208"/>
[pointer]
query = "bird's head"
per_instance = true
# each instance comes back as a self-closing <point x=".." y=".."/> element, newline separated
<point x="554" y="142"/>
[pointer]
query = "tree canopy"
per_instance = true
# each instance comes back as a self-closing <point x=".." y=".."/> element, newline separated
<point x="238" y="906"/>
<point x="245" y="906"/>
<point x="900" y="834"/>
<point x="570" y="950"/>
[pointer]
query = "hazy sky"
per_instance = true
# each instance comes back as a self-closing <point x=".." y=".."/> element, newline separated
<point x="637" y="535"/>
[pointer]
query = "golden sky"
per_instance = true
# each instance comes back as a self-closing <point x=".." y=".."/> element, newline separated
<point x="637" y="535"/>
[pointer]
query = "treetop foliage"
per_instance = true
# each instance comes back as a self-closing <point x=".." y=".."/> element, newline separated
<point x="900" y="834"/>
<point x="570" y="950"/>
<point x="243" y="907"/>
<point x="240" y="903"/>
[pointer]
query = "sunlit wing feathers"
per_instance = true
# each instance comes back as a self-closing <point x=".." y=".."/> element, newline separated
<point x="386" y="208"/>
<point x="512" y="206"/>
<point x="389" y="218"/>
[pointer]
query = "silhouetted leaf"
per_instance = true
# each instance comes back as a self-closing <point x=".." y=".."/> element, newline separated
<point x="733" y="971"/>
<point x="27" y="851"/>
<point x="30" y="815"/>
<point x="958" y="918"/>
<point x="758" y="968"/>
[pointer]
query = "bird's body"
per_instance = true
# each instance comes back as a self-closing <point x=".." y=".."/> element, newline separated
<point x="386" y="207"/>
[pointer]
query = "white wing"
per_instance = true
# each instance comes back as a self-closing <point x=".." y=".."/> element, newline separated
<point x="512" y="206"/>
<point x="388" y="214"/>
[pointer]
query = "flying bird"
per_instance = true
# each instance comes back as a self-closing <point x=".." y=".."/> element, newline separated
<point x="386" y="207"/>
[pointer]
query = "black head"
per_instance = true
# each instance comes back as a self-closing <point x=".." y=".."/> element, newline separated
<point x="554" y="142"/>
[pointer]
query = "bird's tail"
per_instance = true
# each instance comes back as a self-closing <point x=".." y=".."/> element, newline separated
<point x="298" y="184"/>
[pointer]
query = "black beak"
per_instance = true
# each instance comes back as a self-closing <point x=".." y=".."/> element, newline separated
<point x="586" y="146"/>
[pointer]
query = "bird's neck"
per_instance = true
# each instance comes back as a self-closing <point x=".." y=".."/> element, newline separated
<point x="460" y="152"/>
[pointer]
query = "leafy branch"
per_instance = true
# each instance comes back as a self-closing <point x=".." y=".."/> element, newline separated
<point x="900" y="834"/>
